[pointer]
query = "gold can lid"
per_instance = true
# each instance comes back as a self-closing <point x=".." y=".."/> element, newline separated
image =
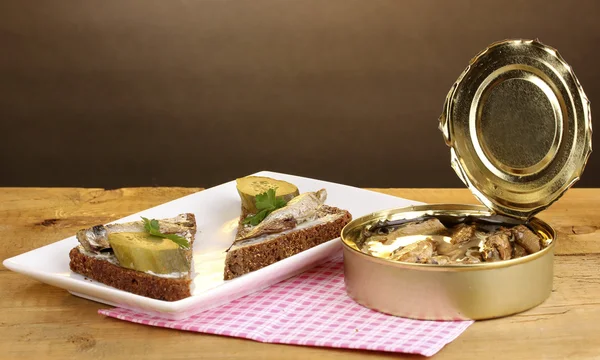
<point x="519" y="127"/>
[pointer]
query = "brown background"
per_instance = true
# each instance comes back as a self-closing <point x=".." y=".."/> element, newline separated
<point x="197" y="92"/>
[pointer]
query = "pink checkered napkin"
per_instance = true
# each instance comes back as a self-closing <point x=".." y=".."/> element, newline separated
<point x="312" y="309"/>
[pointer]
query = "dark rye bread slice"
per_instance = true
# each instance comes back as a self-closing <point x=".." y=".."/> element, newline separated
<point x="110" y="273"/>
<point x="244" y="258"/>
<point x="136" y="282"/>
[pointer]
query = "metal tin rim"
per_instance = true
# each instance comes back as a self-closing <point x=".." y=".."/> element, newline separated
<point x="433" y="267"/>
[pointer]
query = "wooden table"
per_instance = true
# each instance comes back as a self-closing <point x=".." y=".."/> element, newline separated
<point x="39" y="321"/>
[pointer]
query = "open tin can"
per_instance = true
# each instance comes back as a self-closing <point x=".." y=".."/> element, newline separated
<point x="519" y="127"/>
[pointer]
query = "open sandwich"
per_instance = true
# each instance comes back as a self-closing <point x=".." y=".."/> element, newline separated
<point x="277" y="222"/>
<point x="152" y="258"/>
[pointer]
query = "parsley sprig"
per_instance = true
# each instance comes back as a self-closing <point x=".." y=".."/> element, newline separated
<point x="153" y="228"/>
<point x="266" y="203"/>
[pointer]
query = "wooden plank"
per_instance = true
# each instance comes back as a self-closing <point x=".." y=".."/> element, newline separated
<point x="40" y="321"/>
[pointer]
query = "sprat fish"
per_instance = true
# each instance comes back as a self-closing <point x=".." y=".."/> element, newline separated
<point x="300" y="209"/>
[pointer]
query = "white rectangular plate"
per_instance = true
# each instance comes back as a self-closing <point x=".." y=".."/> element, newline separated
<point x="217" y="212"/>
